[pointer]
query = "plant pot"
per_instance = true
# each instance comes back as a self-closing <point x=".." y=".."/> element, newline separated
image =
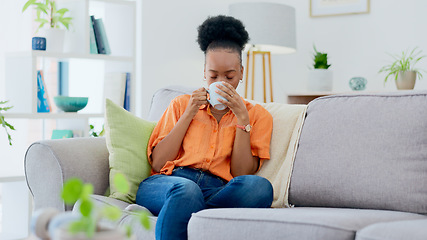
<point x="54" y="39"/>
<point x="320" y="80"/>
<point x="103" y="234"/>
<point x="406" y="80"/>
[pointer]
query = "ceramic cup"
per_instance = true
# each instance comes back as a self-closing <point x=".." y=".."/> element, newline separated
<point x="213" y="96"/>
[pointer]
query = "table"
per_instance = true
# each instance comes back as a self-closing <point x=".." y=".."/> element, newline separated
<point x="305" y="98"/>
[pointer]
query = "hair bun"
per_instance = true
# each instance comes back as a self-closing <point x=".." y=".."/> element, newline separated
<point x="222" y="28"/>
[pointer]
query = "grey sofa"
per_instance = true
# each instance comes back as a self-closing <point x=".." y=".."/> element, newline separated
<point x="360" y="172"/>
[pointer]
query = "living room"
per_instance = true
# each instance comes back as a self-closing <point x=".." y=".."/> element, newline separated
<point x="165" y="53"/>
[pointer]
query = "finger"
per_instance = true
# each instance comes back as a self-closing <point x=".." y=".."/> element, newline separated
<point x="227" y="88"/>
<point x="228" y="85"/>
<point x="227" y="94"/>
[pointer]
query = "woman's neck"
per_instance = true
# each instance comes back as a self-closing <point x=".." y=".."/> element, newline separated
<point x="218" y="114"/>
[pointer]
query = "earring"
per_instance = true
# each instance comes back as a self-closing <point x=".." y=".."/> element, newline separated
<point x="241" y="80"/>
<point x="204" y="79"/>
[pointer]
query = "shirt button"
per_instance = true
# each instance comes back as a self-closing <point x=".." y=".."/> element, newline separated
<point x="208" y="160"/>
<point x="215" y="131"/>
<point x="212" y="146"/>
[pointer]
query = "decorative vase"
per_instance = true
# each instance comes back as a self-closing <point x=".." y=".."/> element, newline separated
<point x="357" y="83"/>
<point x="54" y="39"/>
<point x="320" y="80"/>
<point x="406" y="80"/>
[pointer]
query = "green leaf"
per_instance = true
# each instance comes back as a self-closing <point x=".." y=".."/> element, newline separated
<point x="91" y="228"/>
<point x="41" y="7"/>
<point x="112" y="213"/>
<point x="86" y="190"/>
<point x="41" y="20"/>
<point x="120" y="183"/>
<point x="72" y="190"/>
<point x="144" y="220"/>
<point x="79" y="226"/>
<point x="86" y="207"/>
<point x="6" y="108"/>
<point x="62" y="11"/>
<point x="128" y="230"/>
<point x="8" y="125"/>
<point x="27" y="4"/>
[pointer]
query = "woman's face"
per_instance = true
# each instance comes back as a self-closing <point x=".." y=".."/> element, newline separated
<point x="223" y="65"/>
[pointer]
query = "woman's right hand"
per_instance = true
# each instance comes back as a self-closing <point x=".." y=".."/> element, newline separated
<point x="197" y="99"/>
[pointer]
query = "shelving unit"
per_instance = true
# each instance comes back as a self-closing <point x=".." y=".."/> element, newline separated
<point x="86" y="71"/>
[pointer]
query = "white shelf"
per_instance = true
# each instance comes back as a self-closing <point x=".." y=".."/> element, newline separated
<point x="65" y="56"/>
<point x="61" y="115"/>
<point x="123" y="2"/>
<point x="86" y="71"/>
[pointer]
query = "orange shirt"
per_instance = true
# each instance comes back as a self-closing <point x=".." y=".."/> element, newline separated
<point x="207" y="145"/>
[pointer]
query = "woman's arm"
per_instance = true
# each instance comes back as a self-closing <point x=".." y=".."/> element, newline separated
<point x="242" y="160"/>
<point x="168" y="148"/>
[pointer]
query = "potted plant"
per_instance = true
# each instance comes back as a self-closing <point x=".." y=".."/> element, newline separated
<point x="90" y="222"/>
<point x="88" y="225"/>
<point x="320" y="77"/>
<point x="3" y="122"/>
<point x="403" y="69"/>
<point x="48" y="13"/>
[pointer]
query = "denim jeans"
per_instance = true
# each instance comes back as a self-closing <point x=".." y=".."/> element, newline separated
<point x="174" y="198"/>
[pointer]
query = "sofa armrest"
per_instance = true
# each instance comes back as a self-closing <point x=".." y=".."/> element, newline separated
<point x="49" y="163"/>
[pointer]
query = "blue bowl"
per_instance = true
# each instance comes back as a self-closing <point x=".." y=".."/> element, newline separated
<point x="70" y="104"/>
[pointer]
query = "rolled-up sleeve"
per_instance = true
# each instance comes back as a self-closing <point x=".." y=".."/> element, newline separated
<point x="166" y="123"/>
<point x="262" y="125"/>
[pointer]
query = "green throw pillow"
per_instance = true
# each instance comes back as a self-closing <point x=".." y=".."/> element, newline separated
<point x="127" y="139"/>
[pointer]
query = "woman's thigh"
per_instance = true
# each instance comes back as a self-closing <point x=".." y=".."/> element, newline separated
<point x="155" y="190"/>
<point x="249" y="191"/>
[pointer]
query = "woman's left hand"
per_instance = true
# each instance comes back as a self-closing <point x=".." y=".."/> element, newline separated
<point x="235" y="102"/>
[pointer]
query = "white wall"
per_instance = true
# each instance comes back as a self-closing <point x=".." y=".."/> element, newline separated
<point x="15" y="33"/>
<point x="357" y="44"/>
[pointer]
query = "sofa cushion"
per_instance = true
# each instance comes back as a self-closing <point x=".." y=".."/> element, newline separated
<point x="410" y="229"/>
<point x="287" y="223"/>
<point x="363" y="151"/>
<point x="127" y="139"/>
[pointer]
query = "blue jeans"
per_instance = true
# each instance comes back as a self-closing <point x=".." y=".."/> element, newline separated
<point x="174" y="198"/>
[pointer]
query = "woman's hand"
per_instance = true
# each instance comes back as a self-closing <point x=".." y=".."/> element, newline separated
<point x="197" y="99"/>
<point x="234" y="102"/>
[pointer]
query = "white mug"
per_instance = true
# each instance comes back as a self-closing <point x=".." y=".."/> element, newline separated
<point x="213" y="96"/>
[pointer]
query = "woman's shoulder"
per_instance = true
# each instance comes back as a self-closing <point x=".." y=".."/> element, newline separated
<point x="256" y="109"/>
<point x="181" y="99"/>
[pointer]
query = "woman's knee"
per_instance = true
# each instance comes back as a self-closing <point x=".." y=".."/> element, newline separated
<point x="185" y="189"/>
<point x="257" y="188"/>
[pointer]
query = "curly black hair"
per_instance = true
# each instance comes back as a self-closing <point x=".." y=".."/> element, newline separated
<point x="222" y="32"/>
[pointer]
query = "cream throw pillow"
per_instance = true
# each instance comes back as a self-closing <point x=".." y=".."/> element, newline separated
<point x="287" y="123"/>
<point x="127" y="138"/>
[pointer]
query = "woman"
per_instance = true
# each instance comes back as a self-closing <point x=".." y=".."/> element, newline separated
<point x="203" y="157"/>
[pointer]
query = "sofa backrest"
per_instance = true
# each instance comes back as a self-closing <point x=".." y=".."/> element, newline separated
<point x="162" y="98"/>
<point x="363" y="151"/>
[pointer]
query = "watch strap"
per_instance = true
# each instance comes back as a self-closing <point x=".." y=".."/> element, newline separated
<point x="246" y="128"/>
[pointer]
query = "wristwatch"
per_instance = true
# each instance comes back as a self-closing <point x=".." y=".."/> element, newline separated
<point x="247" y="128"/>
